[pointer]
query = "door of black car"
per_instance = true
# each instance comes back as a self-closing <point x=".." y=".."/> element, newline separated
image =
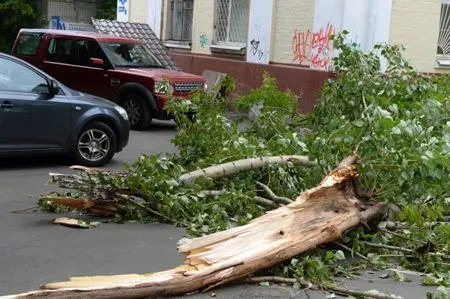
<point x="30" y="119"/>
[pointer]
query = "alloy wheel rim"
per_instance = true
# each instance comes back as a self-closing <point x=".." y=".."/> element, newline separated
<point x="94" y="145"/>
<point x="133" y="109"/>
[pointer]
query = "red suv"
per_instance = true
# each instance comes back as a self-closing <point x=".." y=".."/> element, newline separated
<point x="120" y="69"/>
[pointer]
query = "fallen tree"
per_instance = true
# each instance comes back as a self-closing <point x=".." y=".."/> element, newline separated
<point x="397" y="121"/>
<point x="108" y="201"/>
<point x="318" y="216"/>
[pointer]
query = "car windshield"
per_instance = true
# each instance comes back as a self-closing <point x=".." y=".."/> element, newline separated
<point x="130" y="55"/>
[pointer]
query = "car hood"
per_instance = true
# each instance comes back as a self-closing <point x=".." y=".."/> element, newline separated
<point x="87" y="99"/>
<point x="161" y="74"/>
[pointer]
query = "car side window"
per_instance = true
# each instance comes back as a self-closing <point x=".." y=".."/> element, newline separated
<point x="88" y="49"/>
<point x="16" y="77"/>
<point x="28" y="44"/>
<point x="61" y="50"/>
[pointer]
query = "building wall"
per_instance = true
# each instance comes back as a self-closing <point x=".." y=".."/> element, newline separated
<point x="289" y="16"/>
<point x="304" y="82"/>
<point x="80" y="11"/>
<point x="415" y="24"/>
<point x="138" y="11"/>
<point x="202" y="26"/>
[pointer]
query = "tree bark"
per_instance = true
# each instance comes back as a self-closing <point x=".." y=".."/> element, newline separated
<point x="319" y="215"/>
<point x="230" y="168"/>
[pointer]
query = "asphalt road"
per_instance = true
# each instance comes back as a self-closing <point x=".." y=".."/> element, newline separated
<point x="33" y="251"/>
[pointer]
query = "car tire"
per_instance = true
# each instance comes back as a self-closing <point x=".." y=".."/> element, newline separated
<point x="96" y="145"/>
<point x="139" y="114"/>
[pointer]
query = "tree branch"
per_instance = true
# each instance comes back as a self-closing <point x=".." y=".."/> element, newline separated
<point x="352" y="251"/>
<point x="151" y="211"/>
<point x="401" y="236"/>
<point x="326" y="286"/>
<point x="402" y="249"/>
<point x="348" y="161"/>
<point x="273" y="196"/>
<point x="212" y="193"/>
<point x="266" y="202"/>
<point x="230" y="168"/>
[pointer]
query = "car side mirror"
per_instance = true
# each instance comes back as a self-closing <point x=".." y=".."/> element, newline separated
<point x="97" y="61"/>
<point x="53" y="88"/>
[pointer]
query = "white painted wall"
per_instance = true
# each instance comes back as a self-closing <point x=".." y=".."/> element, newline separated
<point x="123" y="10"/>
<point x="368" y="22"/>
<point x="259" y="31"/>
<point x="154" y="16"/>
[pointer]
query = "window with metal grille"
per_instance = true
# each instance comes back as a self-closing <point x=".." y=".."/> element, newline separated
<point x="180" y="20"/>
<point x="231" y="22"/>
<point x="444" y="30"/>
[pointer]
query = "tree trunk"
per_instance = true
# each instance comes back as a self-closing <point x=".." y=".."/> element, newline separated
<point x="318" y="216"/>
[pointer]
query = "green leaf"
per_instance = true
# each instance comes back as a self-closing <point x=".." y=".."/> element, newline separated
<point x="400" y="277"/>
<point x="386" y="122"/>
<point x="339" y="255"/>
<point x="359" y="123"/>
<point x="396" y="131"/>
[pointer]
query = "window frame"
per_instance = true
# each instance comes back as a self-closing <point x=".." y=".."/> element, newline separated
<point x="170" y="41"/>
<point x="16" y="50"/>
<point x="75" y="49"/>
<point x="37" y="73"/>
<point x="72" y="48"/>
<point x="100" y="50"/>
<point x="228" y="46"/>
<point x="443" y="60"/>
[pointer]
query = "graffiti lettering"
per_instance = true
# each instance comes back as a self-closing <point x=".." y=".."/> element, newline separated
<point x="122" y="7"/>
<point x="255" y="50"/>
<point x="203" y="40"/>
<point x="313" y="47"/>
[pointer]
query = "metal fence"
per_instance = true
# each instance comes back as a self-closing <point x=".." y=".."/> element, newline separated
<point x="444" y="30"/>
<point x="231" y="21"/>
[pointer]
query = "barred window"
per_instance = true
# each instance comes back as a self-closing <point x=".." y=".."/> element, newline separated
<point x="231" y="21"/>
<point x="180" y="20"/>
<point x="444" y="30"/>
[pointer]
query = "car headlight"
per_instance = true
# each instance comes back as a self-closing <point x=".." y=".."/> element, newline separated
<point x="122" y="112"/>
<point x="164" y="87"/>
<point x="205" y="86"/>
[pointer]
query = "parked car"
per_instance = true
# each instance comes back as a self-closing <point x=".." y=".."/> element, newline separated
<point x="40" y="115"/>
<point x="120" y="69"/>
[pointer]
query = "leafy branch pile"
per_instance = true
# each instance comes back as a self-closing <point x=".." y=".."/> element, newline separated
<point x="397" y="121"/>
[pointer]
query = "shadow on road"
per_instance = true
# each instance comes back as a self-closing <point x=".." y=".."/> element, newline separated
<point x="162" y="125"/>
<point x="39" y="161"/>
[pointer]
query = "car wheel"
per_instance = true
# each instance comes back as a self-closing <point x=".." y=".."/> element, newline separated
<point x="138" y="113"/>
<point x="96" y="145"/>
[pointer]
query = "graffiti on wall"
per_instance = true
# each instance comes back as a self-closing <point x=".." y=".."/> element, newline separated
<point x="314" y="48"/>
<point x="259" y="33"/>
<point x="123" y="7"/>
<point x="59" y="24"/>
<point x="255" y="49"/>
<point x="203" y="40"/>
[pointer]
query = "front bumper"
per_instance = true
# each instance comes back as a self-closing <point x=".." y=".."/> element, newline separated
<point x="124" y="132"/>
<point x="161" y="100"/>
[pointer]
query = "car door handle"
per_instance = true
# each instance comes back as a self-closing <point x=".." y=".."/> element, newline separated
<point x="6" y="105"/>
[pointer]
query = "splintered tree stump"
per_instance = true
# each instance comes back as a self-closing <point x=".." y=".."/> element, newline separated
<point x="318" y="216"/>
